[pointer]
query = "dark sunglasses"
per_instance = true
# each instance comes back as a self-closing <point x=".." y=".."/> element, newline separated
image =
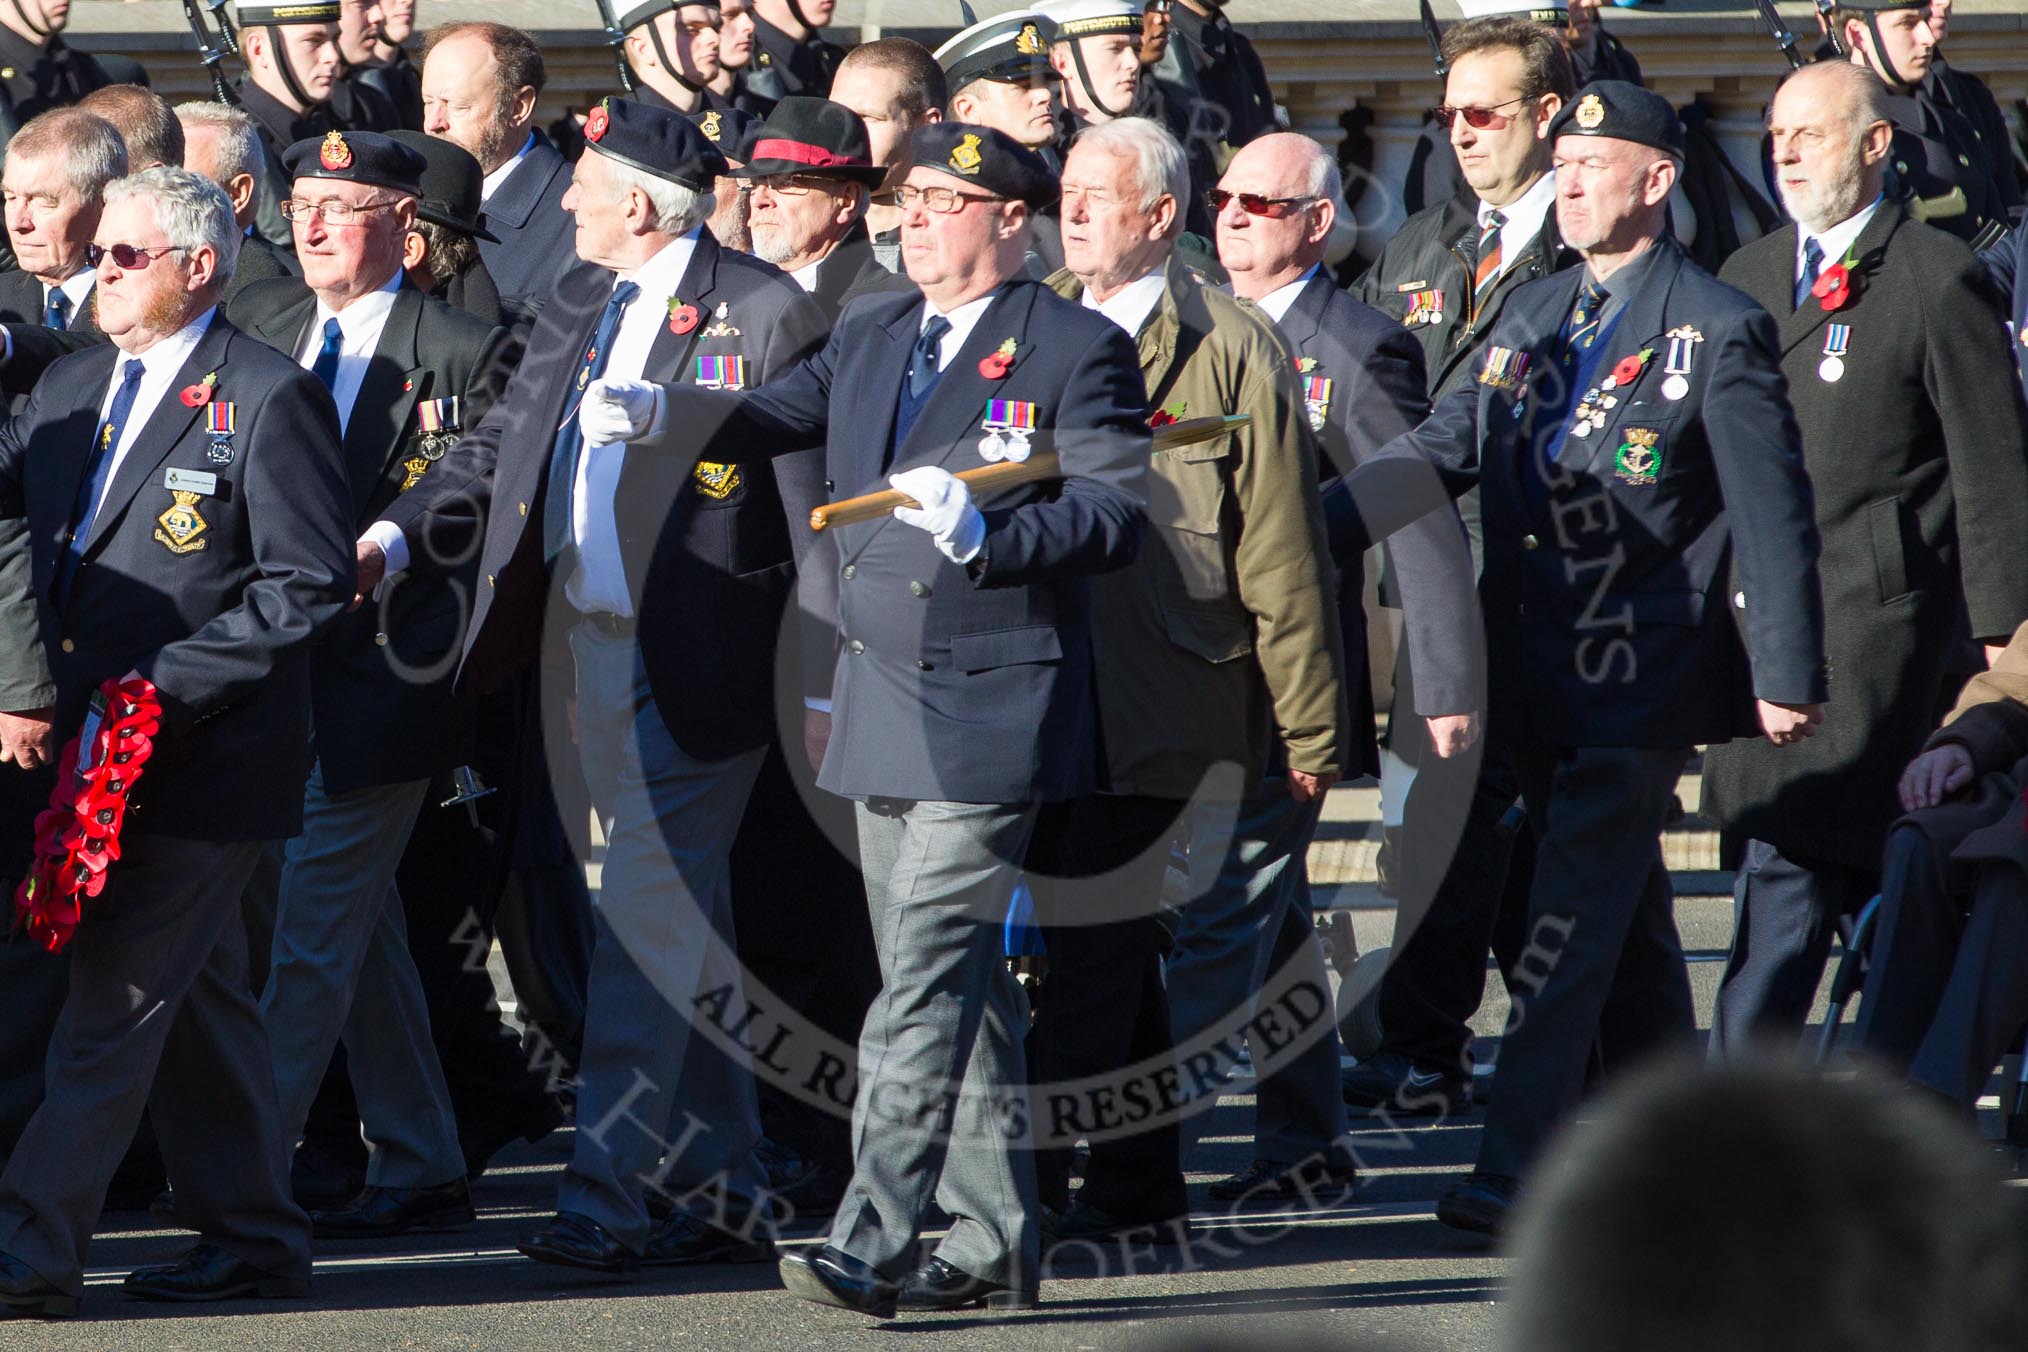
<point x="129" y="256"/>
<point x="1479" y="119"/>
<point x="1253" y="204"/>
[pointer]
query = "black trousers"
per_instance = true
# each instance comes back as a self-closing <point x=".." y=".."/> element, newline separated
<point x="1947" y="992"/>
<point x="1467" y="858"/>
<point x="804" y="933"/>
<point x="1785" y="910"/>
<point x="1095" y="869"/>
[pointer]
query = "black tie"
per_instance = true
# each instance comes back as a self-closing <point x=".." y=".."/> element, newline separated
<point x="923" y="364"/>
<point x="1813" y="264"/>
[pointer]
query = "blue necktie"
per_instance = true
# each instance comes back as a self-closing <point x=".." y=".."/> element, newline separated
<point x="1813" y="264"/>
<point x="569" y="446"/>
<point x="325" y="368"/>
<point x="1582" y="327"/>
<point x="56" y="314"/>
<point x="97" y="470"/>
<point x="923" y="361"/>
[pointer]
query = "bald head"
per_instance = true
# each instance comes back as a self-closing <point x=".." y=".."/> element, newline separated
<point x="1830" y="136"/>
<point x="1298" y="185"/>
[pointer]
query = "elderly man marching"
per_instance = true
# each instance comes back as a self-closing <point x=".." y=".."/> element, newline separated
<point x="965" y="661"/>
<point x="1631" y="430"/>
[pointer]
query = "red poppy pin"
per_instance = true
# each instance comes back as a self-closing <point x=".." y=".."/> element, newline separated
<point x="996" y="364"/>
<point x="595" y="125"/>
<point x="198" y="395"/>
<point x="1629" y="368"/>
<point x="1162" y="417"/>
<point x="1833" y="287"/>
<point x="682" y="318"/>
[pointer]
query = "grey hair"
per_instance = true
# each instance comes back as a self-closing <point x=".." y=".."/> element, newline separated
<point x="88" y="146"/>
<point x="239" y="152"/>
<point x="678" y="209"/>
<point x="1159" y="165"/>
<point x="190" y="209"/>
<point x="1325" y="179"/>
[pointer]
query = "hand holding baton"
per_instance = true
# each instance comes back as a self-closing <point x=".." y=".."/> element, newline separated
<point x="1011" y="474"/>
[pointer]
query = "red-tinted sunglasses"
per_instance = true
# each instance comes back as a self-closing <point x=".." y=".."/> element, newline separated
<point x="130" y="257"/>
<point x="1479" y="119"/>
<point x="1253" y="204"/>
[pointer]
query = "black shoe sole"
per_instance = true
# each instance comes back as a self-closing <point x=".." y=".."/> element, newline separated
<point x="1470" y="1217"/>
<point x="267" y="1288"/>
<point x="802" y="1282"/>
<point x="40" y="1307"/>
<point x="611" y="1268"/>
<point x="755" y="1251"/>
<point x="451" y="1218"/>
<point x="1002" y="1299"/>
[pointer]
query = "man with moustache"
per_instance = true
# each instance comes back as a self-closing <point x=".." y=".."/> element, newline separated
<point x="1447" y="277"/>
<point x="159" y="1013"/>
<point x="1916" y="440"/>
<point x="409" y="375"/>
<point x="630" y="557"/>
<point x="480" y="86"/>
<point x="808" y="181"/>
<point x="1630" y="427"/>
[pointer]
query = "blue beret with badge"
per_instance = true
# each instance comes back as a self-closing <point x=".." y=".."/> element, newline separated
<point x="1616" y="110"/>
<point x="986" y="158"/>
<point x="654" y="141"/>
<point x="358" y="157"/>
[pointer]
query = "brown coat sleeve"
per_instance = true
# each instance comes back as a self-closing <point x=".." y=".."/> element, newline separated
<point x="1991" y="719"/>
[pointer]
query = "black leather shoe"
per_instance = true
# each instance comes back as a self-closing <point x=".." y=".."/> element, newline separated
<point x="1311" y="1182"/>
<point x="490" y="1138"/>
<point x="1085" y="1223"/>
<point x="688" y="1238"/>
<point x="163" y="1208"/>
<point x="1479" y="1204"/>
<point x="1391" y="1082"/>
<point x="938" y="1285"/>
<point x="320" y="1179"/>
<point x="573" y="1240"/>
<point x="396" y="1211"/>
<point x="24" y="1292"/>
<point x="208" y="1272"/>
<point x="831" y="1276"/>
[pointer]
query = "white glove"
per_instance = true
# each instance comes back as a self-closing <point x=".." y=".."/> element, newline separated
<point x="946" y="513"/>
<point x="619" y="410"/>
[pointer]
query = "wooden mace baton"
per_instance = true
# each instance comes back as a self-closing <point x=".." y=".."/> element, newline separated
<point x="1011" y="474"/>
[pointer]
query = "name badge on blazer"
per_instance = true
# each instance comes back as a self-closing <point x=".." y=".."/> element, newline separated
<point x="191" y="480"/>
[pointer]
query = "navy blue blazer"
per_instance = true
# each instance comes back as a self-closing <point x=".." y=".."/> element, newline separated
<point x="2007" y="264"/>
<point x="1608" y="576"/>
<point x="959" y="684"/>
<point x="708" y="550"/>
<point x="537" y="236"/>
<point x="1378" y="391"/>
<point x="381" y="685"/>
<point x="218" y="604"/>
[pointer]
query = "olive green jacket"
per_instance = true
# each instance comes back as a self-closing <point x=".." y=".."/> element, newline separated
<point x="1223" y="632"/>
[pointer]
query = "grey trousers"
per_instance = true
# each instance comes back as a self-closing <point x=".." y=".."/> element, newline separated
<point x="1247" y="921"/>
<point x="662" y="1101"/>
<point x="158" y="1016"/>
<point x="340" y="968"/>
<point x="942" y="1111"/>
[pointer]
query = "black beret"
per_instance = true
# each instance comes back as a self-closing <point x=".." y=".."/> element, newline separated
<point x="991" y="159"/>
<point x="730" y="129"/>
<point x="254" y="15"/>
<point x="1622" y="111"/>
<point x="452" y="184"/>
<point x="357" y="157"/>
<point x="654" y="141"/>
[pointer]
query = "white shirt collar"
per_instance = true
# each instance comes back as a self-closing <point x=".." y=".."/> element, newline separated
<point x="806" y="275"/>
<point x="166" y="358"/>
<point x="75" y="288"/>
<point x="1523" y="216"/>
<point x="1278" y="301"/>
<point x="1130" y="306"/>
<point x="160" y="366"/>
<point x="368" y="311"/>
<point x="962" y="320"/>
<point x="659" y="277"/>
<point x="1838" y="240"/>
<point x="491" y="183"/>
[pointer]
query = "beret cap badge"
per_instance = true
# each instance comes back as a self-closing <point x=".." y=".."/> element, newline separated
<point x="966" y="158"/>
<point x="334" y="154"/>
<point x="710" y="126"/>
<point x="1590" y="112"/>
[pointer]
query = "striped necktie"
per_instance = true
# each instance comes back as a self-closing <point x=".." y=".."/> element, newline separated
<point x="1486" y="274"/>
<point x="1584" y="317"/>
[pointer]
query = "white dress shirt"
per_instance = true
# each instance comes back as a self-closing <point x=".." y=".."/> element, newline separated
<point x="1131" y="305"/>
<point x="1278" y="301"/>
<point x="1835" y="242"/>
<point x="1523" y="218"/>
<point x="962" y="321"/>
<point x="806" y="275"/>
<point x="360" y="325"/>
<point x="599" y="582"/>
<point x="160" y="365"/>
<point x="491" y="183"/>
